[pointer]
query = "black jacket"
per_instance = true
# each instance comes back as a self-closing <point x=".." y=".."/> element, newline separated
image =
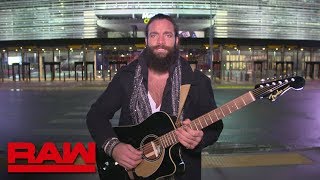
<point x="200" y="100"/>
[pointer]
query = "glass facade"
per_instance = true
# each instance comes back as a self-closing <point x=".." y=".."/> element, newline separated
<point x="265" y="37"/>
<point x="57" y="19"/>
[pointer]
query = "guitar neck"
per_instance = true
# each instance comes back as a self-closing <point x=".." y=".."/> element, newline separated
<point x="211" y="117"/>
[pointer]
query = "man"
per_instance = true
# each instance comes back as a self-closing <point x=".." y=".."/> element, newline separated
<point x="150" y="84"/>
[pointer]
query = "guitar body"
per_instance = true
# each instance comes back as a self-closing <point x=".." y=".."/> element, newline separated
<point x="157" y="163"/>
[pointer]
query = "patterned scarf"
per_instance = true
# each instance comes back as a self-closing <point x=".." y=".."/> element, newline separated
<point x="139" y="105"/>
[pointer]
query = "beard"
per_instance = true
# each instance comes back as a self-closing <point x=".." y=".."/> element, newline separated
<point x="160" y="62"/>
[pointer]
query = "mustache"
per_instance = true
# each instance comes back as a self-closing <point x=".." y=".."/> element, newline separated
<point x="161" y="46"/>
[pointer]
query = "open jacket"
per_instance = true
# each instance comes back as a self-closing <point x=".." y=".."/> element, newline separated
<point x="200" y="100"/>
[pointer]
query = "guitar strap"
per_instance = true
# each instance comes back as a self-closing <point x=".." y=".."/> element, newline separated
<point x="184" y="90"/>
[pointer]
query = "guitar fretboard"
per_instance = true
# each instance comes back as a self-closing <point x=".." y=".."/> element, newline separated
<point x="211" y="117"/>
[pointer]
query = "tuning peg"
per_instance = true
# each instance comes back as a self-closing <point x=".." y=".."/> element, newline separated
<point x="262" y="80"/>
<point x="268" y="80"/>
<point x="274" y="77"/>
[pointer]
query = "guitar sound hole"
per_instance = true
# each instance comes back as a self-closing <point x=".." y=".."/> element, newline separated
<point x="151" y="148"/>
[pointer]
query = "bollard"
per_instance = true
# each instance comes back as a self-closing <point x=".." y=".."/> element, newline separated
<point x="27" y="77"/>
<point x="64" y="77"/>
<point x="90" y="76"/>
<point x="224" y="75"/>
<point x="77" y="76"/>
<point x="228" y="76"/>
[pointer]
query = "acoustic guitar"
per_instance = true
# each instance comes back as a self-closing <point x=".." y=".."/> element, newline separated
<point x="156" y="138"/>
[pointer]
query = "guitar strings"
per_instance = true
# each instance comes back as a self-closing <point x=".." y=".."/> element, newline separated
<point x="263" y="91"/>
<point x="148" y="146"/>
<point x="162" y="138"/>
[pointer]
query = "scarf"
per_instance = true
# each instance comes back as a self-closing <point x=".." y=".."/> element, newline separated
<point x="139" y="106"/>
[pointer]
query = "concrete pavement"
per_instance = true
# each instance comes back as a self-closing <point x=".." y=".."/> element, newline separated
<point x="245" y="150"/>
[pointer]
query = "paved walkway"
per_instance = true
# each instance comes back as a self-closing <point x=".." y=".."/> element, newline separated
<point x="222" y="161"/>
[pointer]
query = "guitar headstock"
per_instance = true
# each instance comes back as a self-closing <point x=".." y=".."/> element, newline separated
<point x="273" y="89"/>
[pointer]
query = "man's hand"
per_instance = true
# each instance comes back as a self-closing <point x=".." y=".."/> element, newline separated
<point x="188" y="137"/>
<point x="126" y="155"/>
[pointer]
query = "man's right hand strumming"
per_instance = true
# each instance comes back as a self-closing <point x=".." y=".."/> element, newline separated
<point x="127" y="156"/>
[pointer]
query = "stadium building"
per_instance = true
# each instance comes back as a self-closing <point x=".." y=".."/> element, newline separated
<point x="229" y="40"/>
